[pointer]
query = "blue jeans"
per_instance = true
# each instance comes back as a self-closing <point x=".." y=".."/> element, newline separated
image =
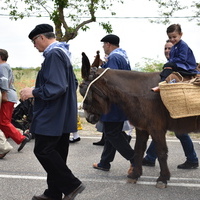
<point x="186" y="143"/>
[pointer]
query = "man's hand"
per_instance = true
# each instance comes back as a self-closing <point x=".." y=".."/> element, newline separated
<point x="26" y="93"/>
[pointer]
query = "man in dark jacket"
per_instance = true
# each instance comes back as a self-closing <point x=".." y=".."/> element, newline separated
<point x="54" y="114"/>
<point x="115" y="139"/>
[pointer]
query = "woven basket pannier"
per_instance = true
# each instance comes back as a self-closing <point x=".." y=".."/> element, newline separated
<point x="181" y="99"/>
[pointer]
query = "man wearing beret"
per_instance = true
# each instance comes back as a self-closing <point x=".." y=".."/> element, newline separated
<point x="115" y="139"/>
<point x="54" y="114"/>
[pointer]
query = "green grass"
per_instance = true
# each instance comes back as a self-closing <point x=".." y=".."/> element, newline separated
<point x="26" y="78"/>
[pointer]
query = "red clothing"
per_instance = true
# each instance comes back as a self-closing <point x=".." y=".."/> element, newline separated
<point x="5" y="123"/>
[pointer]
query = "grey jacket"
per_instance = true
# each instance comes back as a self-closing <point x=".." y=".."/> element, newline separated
<point x="7" y="81"/>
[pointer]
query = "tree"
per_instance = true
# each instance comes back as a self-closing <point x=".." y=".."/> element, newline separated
<point x="168" y="8"/>
<point x="68" y="16"/>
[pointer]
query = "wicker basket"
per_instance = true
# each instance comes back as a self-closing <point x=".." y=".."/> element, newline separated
<point x="181" y="99"/>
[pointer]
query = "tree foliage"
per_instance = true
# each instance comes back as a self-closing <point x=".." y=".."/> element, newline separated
<point x="169" y="8"/>
<point x="68" y="16"/>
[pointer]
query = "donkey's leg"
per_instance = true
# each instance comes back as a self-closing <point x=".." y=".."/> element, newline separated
<point x="162" y="150"/>
<point x="135" y="170"/>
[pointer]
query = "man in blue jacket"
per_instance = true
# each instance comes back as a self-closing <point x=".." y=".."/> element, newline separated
<point x="115" y="139"/>
<point x="54" y="114"/>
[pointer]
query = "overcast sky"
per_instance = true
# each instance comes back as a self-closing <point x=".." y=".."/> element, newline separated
<point x="139" y="37"/>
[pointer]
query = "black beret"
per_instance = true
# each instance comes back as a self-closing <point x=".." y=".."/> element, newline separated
<point x="112" y="39"/>
<point x="39" y="29"/>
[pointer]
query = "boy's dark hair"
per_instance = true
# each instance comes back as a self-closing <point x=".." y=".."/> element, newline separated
<point x="174" y="27"/>
<point x="4" y="54"/>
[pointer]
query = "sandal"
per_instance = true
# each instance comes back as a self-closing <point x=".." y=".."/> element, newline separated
<point x="97" y="166"/>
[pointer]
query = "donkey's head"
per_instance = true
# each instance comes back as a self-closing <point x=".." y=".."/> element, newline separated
<point x="94" y="103"/>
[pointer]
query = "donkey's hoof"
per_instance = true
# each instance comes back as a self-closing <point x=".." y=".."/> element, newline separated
<point x="161" y="185"/>
<point x="131" y="180"/>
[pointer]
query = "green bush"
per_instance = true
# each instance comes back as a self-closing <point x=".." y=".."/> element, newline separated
<point x="26" y="77"/>
<point x="149" y="65"/>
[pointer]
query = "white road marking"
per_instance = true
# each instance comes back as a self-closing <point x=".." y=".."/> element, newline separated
<point x="176" y="140"/>
<point x="177" y="184"/>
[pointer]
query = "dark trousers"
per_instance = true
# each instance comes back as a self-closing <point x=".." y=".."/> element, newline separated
<point x="186" y="143"/>
<point x="52" y="152"/>
<point x="115" y="140"/>
<point x="169" y="67"/>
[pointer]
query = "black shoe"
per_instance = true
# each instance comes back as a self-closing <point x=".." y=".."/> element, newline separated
<point x="28" y="135"/>
<point x="23" y="144"/>
<point x="148" y="163"/>
<point x="100" y="143"/>
<point x="74" y="140"/>
<point x="98" y="166"/>
<point x="188" y="165"/>
<point x="73" y="194"/>
<point x="41" y="197"/>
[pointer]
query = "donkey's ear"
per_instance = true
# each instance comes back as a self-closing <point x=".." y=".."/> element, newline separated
<point x="96" y="60"/>
<point x="85" y="69"/>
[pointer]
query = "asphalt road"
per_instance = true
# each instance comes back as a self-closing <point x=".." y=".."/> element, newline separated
<point x="21" y="175"/>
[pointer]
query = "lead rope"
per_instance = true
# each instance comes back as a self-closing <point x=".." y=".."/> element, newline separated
<point x="81" y="105"/>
